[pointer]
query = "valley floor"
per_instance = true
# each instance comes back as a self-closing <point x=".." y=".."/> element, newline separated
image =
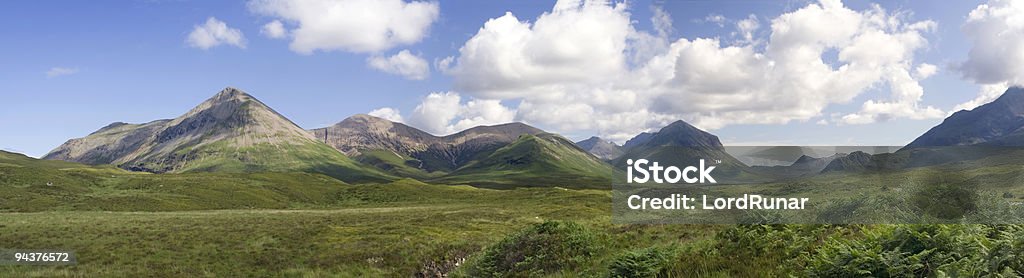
<point x="397" y="239"/>
<point x="305" y="225"/>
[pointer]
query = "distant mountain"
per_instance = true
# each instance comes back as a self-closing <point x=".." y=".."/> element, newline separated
<point x="681" y="144"/>
<point x="774" y="155"/>
<point x="408" y="151"/>
<point x="814" y="164"/>
<point x="999" y="123"/>
<point x="536" y="160"/>
<point x="601" y="148"/>
<point x="230" y="132"/>
<point x="853" y="162"/>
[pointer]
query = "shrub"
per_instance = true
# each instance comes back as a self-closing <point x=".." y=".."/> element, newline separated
<point x="922" y="251"/>
<point x="545" y="248"/>
<point x="946" y="197"/>
<point x="648" y="262"/>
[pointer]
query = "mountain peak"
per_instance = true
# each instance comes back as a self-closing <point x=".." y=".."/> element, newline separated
<point x="999" y="122"/>
<point x="601" y="148"/>
<point x="680" y="133"/>
<point x="230" y="94"/>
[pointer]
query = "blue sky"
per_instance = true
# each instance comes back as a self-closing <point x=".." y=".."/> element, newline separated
<point x="68" y="68"/>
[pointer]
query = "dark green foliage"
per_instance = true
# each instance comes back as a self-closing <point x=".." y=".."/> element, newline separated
<point x="647" y="262"/>
<point x="922" y="251"/>
<point x="545" y="248"/>
<point x="946" y="196"/>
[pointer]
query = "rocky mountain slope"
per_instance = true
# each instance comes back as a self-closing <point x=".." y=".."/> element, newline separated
<point x="601" y="148"/>
<point x="391" y="145"/>
<point x="230" y="132"/>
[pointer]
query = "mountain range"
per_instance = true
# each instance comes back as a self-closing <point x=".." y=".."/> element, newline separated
<point x="234" y="132"/>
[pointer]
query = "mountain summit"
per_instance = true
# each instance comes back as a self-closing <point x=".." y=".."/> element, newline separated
<point x="998" y="123"/>
<point x="601" y="148"/>
<point x="680" y="133"/>
<point x="230" y="132"/>
<point x="682" y="144"/>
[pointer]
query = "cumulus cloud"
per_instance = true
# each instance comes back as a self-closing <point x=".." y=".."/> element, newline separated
<point x="443" y="113"/>
<point x="274" y="29"/>
<point x="404" y="63"/>
<point x="60" y="71"/>
<point x="996" y="58"/>
<point x="213" y="33"/>
<point x="387" y="113"/>
<point x="996" y="32"/>
<point x="362" y="26"/>
<point x="576" y="68"/>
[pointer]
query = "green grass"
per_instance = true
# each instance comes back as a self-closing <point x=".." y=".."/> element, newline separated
<point x="126" y="224"/>
<point x="387" y="229"/>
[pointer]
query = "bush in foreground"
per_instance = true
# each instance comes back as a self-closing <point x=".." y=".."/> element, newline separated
<point x="647" y="262"/>
<point x="546" y="248"/>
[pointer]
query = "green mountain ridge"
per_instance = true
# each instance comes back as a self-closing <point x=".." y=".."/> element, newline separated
<point x="538" y="160"/>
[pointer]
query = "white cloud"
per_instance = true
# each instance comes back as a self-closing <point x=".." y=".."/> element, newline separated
<point x="996" y="58"/>
<point x="996" y="31"/>
<point x="213" y="33"/>
<point x="387" y="113"/>
<point x="576" y="68"/>
<point x="509" y="57"/>
<point x="274" y="29"/>
<point x="747" y="27"/>
<point x="925" y="70"/>
<point x="351" y="25"/>
<point x="404" y="63"/>
<point x="60" y="71"/>
<point x="662" y="22"/>
<point x="716" y="19"/>
<point x="443" y="113"/>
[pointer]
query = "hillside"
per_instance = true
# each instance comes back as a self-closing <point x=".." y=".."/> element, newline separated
<point x="536" y="160"/>
<point x="230" y="132"/>
<point x="409" y="152"/>
<point x="998" y="123"/>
